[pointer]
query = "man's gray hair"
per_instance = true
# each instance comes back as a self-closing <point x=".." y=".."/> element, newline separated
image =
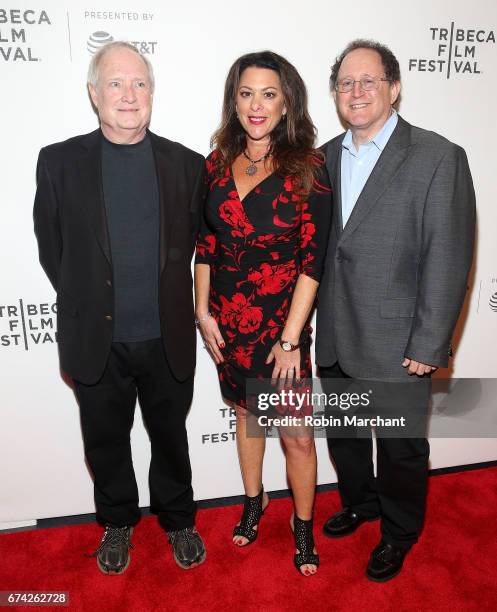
<point x="96" y="60"/>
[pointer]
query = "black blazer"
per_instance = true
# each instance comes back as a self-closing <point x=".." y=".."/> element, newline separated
<point x="74" y="249"/>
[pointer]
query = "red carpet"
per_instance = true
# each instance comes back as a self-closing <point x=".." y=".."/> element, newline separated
<point x="453" y="567"/>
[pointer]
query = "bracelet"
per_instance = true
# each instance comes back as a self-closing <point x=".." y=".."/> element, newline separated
<point x="202" y="319"/>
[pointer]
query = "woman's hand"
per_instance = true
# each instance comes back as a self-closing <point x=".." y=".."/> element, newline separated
<point x="213" y="341"/>
<point x="286" y="363"/>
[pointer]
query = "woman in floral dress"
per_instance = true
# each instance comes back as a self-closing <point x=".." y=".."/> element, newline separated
<point x="259" y="261"/>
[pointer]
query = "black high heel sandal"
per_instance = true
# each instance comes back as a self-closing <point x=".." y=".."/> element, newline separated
<point x="251" y="515"/>
<point x="304" y="543"/>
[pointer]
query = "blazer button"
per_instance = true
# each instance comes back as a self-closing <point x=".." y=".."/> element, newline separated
<point x="108" y="317"/>
<point x="109" y="283"/>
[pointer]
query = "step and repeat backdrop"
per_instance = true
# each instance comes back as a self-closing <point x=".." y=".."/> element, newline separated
<point x="447" y="53"/>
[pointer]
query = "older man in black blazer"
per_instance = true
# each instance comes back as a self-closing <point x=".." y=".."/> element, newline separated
<point x="398" y="259"/>
<point x="116" y="216"/>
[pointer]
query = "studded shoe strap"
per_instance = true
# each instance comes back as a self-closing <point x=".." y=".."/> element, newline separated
<point x="252" y="512"/>
<point x="304" y="542"/>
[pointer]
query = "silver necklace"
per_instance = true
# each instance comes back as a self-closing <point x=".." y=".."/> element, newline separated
<point x="251" y="169"/>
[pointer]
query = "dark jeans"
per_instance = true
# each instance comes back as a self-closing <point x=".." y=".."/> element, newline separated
<point x="107" y="408"/>
<point x="398" y="494"/>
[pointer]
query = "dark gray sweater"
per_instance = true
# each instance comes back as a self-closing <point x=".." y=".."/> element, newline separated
<point x="131" y="197"/>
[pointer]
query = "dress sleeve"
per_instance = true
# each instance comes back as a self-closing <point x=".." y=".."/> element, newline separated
<point x="315" y="226"/>
<point x="206" y="241"/>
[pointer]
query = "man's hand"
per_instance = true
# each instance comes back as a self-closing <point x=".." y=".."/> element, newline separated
<point x="416" y="367"/>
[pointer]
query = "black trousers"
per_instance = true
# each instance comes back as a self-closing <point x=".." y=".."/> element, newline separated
<point x="398" y="494"/>
<point x="138" y="369"/>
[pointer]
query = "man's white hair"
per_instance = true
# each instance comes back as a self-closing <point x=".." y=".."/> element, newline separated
<point x="96" y="61"/>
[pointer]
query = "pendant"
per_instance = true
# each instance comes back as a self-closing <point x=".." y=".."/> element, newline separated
<point x="251" y="170"/>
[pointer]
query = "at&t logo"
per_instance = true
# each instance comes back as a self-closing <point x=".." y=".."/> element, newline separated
<point x="98" y="39"/>
<point x="493" y="302"/>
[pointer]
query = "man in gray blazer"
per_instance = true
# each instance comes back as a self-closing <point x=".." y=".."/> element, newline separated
<point x="399" y="254"/>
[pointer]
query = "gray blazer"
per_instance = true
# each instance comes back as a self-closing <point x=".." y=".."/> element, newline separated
<point x="395" y="277"/>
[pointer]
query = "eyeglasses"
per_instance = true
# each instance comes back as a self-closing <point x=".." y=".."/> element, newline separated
<point x="367" y="84"/>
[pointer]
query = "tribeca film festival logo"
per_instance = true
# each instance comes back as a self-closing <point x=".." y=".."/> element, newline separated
<point x="229" y="417"/>
<point x="13" y="38"/>
<point x="456" y="49"/>
<point x="26" y="325"/>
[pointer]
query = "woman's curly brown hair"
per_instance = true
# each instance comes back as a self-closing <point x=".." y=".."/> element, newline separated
<point x="292" y="140"/>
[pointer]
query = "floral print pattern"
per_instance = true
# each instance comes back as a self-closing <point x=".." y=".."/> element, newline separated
<point x="256" y="249"/>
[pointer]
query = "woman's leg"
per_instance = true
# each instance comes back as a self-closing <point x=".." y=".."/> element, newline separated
<point x="250" y="454"/>
<point x="301" y="466"/>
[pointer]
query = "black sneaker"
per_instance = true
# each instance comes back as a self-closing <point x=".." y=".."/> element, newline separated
<point x="113" y="553"/>
<point x="188" y="548"/>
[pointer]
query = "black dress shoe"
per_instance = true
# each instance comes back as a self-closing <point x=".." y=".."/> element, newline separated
<point x="344" y="523"/>
<point x="385" y="562"/>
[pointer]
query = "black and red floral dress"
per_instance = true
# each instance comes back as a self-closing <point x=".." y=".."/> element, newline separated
<point x="256" y="248"/>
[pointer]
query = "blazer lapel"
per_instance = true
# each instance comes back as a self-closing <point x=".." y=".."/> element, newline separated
<point x="167" y="180"/>
<point x="391" y="159"/>
<point x="92" y="189"/>
<point x="333" y="164"/>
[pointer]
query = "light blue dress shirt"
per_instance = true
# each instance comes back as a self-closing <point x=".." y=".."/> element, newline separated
<point x="357" y="165"/>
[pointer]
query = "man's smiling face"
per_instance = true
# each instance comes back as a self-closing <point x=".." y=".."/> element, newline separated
<point x="365" y="112"/>
<point x="123" y="96"/>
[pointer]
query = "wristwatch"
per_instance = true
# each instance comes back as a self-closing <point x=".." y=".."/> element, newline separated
<point x="288" y="346"/>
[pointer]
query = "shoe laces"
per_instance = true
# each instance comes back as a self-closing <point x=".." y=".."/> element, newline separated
<point x="113" y="538"/>
<point x="185" y="534"/>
